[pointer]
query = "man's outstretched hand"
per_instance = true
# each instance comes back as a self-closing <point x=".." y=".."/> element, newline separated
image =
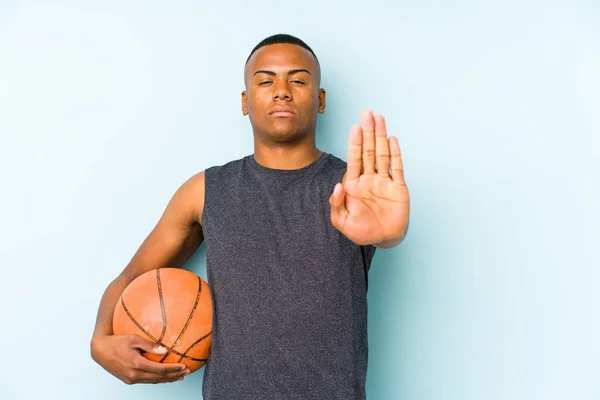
<point x="372" y="204"/>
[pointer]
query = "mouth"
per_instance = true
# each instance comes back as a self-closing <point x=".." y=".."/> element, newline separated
<point x="281" y="112"/>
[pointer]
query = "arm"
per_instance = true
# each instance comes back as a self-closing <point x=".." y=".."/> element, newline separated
<point x="174" y="239"/>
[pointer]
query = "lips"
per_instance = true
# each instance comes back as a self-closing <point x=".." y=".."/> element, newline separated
<point x="281" y="112"/>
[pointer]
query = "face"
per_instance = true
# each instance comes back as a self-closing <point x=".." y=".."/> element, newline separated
<point x="282" y="96"/>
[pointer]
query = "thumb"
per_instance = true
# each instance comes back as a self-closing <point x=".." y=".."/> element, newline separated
<point x="338" y="207"/>
<point x="148" y="346"/>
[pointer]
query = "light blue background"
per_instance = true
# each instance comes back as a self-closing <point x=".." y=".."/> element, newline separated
<point x="106" y="108"/>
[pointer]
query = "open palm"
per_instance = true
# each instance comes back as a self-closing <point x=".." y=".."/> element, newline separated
<point x="372" y="204"/>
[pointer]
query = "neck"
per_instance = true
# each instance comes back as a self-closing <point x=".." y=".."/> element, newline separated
<point x="295" y="157"/>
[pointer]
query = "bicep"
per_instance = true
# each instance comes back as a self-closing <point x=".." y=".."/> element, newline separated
<point x="177" y="234"/>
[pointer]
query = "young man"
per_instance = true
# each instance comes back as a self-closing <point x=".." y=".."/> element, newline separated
<point x="290" y="233"/>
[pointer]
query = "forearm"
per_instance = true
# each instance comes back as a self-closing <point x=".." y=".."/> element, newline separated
<point x="156" y="252"/>
<point x="107" y="305"/>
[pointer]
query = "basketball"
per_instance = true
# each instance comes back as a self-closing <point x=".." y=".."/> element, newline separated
<point x="173" y="308"/>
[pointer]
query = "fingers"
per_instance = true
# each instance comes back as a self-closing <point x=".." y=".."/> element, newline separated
<point x="382" y="148"/>
<point x="149" y="377"/>
<point x="145" y="345"/>
<point x="370" y="150"/>
<point x="146" y="371"/>
<point x="397" y="166"/>
<point x="157" y="368"/>
<point x="354" y="163"/>
<point x="367" y="124"/>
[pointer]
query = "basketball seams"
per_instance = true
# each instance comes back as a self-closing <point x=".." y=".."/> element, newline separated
<point x="146" y="302"/>
<point x="162" y="306"/>
<point x="187" y="322"/>
<point x="159" y="342"/>
<point x="193" y="344"/>
<point x="197" y="341"/>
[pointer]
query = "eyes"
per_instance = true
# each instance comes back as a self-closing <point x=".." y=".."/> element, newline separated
<point x="295" y="82"/>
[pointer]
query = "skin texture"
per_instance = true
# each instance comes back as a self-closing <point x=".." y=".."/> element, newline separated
<point x="285" y="76"/>
<point x="370" y="206"/>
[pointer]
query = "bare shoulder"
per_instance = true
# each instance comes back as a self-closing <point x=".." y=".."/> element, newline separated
<point x="191" y="196"/>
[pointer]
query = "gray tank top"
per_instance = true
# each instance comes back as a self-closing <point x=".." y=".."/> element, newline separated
<point x="289" y="290"/>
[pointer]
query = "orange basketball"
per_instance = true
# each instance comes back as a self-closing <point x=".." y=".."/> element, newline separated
<point x="171" y="307"/>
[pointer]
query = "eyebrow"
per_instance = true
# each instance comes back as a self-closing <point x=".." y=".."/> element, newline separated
<point x="290" y="72"/>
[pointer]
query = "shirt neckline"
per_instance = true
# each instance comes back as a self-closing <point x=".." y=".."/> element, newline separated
<point x="298" y="171"/>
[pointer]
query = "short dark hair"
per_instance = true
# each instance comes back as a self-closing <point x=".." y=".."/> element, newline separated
<point x="281" y="38"/>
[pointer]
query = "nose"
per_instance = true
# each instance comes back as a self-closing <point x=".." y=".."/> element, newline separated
<point x="282" y="91"/>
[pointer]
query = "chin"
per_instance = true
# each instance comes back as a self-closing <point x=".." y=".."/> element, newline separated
<point x="283" y="127"/>
<point x="284" y="134"/>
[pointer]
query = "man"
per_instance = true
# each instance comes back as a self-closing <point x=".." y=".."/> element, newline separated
<point x="290" y="233"/>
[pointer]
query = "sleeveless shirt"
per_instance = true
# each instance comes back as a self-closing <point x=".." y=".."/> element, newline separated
<point x="288" y="289"/>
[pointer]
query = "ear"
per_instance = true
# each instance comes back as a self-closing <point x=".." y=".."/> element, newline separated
<point x="322" y="94"/>
<point x="244" y="103"/>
